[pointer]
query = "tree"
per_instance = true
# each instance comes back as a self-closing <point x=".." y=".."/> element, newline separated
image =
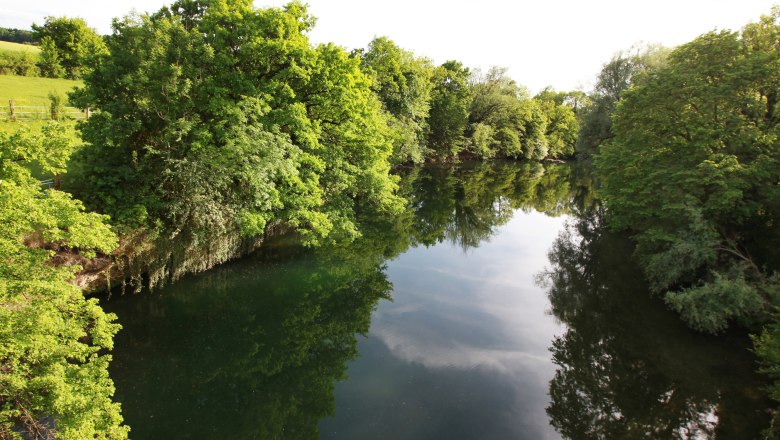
<point x="559" y="110"/>
<point x="403" y="84"/>
<point x="692" y="172"/>
<point x="503" y="120"/>
<point x="13" y="35"/>
<point x="49" y="63"/>
<point x="54" y="381"/>
<point x="215" y="117"/>
<point x="615" y="77"/>
<point x="69" y="45"/>
<point x="450" y="101"/>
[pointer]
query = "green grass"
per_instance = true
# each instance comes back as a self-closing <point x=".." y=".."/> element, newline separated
<point x="16" y="47"/>
<point x="31" y="90"/>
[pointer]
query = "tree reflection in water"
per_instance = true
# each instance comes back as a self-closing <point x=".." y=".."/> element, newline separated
<point x="627" y="367"/>
<point x="253" y="349"/>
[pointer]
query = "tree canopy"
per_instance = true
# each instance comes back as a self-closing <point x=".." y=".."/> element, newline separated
<point x="69" y="47"/>
<point x="216" y="115"/>
<point x="693" y="171"/>
<point x="53" y="351"/>
<point x="403" y="84"/>
<point x="616" y="76"/>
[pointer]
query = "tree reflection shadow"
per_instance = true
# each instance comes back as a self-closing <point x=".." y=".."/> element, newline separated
<point x="253" y="349"/>
<point x="627" y="367"/>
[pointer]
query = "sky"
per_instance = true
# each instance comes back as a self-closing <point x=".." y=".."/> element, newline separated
<point x="558" y="43"/>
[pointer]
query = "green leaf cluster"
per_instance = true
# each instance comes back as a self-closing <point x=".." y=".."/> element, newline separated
<point x="69" y="47"/>
<point x="53" y="342"/>
<point x="448" y="111"/>
<point x="504" y="121"/>
<point x="449" y="114"/>
<point x="692" y="171"/>
<point x="403" y="84"/>
<point x="618" y="75"/>
<point x="218" y="116"/>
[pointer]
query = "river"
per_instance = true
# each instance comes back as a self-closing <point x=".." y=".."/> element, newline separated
<point x="497" y="306"/>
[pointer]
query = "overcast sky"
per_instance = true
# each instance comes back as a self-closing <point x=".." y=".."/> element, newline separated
<point x="561" y="43"/>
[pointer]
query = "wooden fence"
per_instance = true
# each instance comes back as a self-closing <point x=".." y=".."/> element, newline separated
<point x="42" y="112"/>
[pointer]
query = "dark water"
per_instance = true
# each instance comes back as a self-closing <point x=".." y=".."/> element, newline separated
<point x="448" y="322"/>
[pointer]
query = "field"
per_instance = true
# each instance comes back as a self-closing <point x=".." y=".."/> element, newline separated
<point x="33" y="91"/>
<point x="30" y="90"/>
<point x="16" y="47"/>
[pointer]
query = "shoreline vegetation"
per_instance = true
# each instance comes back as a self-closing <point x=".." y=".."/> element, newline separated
<point x="217" y="123"/>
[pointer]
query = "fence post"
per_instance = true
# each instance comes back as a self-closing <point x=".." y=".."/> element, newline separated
<point x="11" y="105"/>
<point x="88" y="112"/>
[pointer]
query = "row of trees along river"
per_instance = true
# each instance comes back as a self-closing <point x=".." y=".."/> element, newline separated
<point x="218" y="125"/>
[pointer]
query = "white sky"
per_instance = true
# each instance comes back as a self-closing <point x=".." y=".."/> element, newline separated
<point x="562" y="43"/>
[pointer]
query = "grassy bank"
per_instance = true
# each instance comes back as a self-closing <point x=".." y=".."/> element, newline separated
<point x="29" y="90"/>
<point x="16" y="47"/>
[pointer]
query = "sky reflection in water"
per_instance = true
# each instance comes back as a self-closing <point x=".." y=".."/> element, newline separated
<point x="462" y="349"/>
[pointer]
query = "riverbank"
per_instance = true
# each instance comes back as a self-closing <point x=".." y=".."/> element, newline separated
<point x="145" y="260"/>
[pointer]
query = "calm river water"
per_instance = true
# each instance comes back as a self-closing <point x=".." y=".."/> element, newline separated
<point x="497" y="307"/>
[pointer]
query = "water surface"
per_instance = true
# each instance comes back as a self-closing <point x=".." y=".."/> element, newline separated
<point x="449" y="321"/>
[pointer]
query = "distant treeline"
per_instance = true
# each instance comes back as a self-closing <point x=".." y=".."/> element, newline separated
<point x="17" y="36"/>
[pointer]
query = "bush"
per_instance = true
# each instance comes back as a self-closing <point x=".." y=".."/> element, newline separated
<point x="18" y="63"/>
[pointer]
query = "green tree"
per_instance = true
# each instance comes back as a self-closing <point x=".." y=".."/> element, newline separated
<point x="49" y="62"/>
<point x="227" y="119"/>
<point x="504" y="120"/>
<point x="13" y="35"/>
<point x="615" y="77"/>
<point x="450" y="102"/>
<point x="53" y="342"/>
<point x="69" y="47"/>
<point x="559" y="109"/>
<point x="403" y="84"/>
<point x="692" y="171"/>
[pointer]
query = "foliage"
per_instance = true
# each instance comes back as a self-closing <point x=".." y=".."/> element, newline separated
<point x="56" y="106"/>
<point x="562" y="127"/>
<point x="17" y="62"/>
<point x="767" y="347"/>
<point x="216" y="116"/>
<point x="53" y="342"/>
<point x="49" y="62"/>
<point x="403" y="84"/>
<point x="449" y="113"/>
<point x="69" y="47"/>
<point x="627" y="367"/>
<point x="693" y="172"/>
<point x="504" y="120"/>
<point x="616" y="76"/>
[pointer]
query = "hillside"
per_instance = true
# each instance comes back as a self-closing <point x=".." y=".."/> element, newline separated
<point x="16" y="47"/>
<point x="28" y="90"/>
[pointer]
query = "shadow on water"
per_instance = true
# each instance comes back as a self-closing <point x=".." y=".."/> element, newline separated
<point x="254" y="348"/>
<point x="627" y="367"/>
